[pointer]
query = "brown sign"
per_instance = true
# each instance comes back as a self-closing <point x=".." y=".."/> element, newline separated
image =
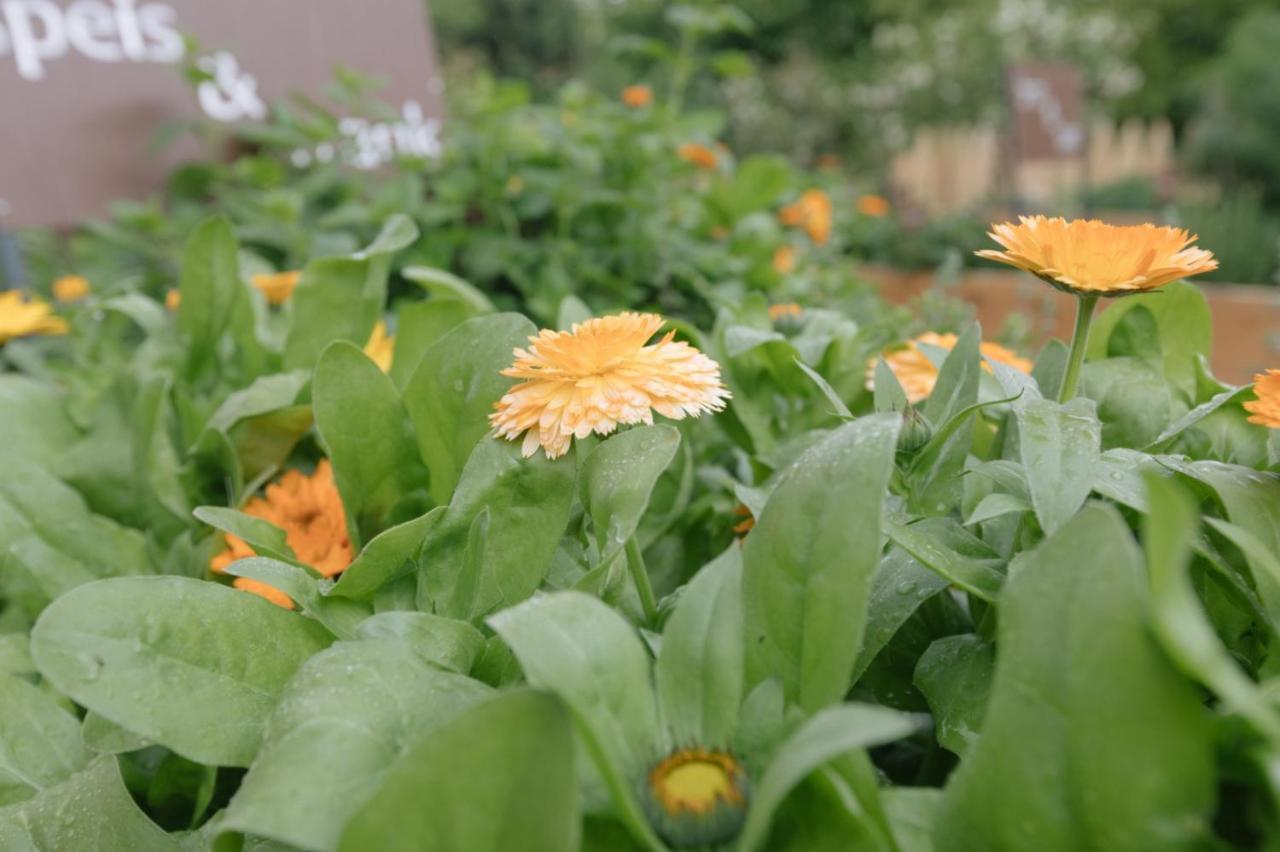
<point x="1047" y="100"/>
<point x="85" y="85"/>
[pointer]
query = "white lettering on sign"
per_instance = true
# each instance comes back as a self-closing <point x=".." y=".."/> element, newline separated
<point x="373" y="144"/>
<point x="37" y="32"/>
<point x="232" y="94"/>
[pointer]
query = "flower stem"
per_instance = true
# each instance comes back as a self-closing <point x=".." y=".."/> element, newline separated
<point x="1079" y="341"/>
<point x="640" y="576"/>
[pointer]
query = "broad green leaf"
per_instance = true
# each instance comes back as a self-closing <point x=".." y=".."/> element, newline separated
<point x="35" y="426"/>
<point x="263" y="536"/>
<point x="1134" y="401"/>
<point x="340" y="616"/>
<point x="388" y="556"/>
<point x="957" y="386"/>
<point x="453" y="390"/>
<point x="837" y="404"/>
<point x="527" y="502"/>
<point x="889" y="395"/>
<point x="345" y="719"/>
<point x="366" y="430"/>
<point x="827" y="735"/>
<point x="577" y="647"/>
<point x="446" y="285"/>
<point x="699" y="668"/>
<point x="898" y="588"/>
<point x="262" y="423"/>
<point x="618" y="477"/>
<point x="1182" y="315"/>
<point x="103" y="736"/>
<point x="807" y="564"/>
<point x="1060" y="445"/>
<point x="955" y="676"/>
<point x="1180" y="621"/>
<point x="499" y="778"/>
<point x="189" y="664"/>
<point x="935" y="543"/>
<point x="418" y="326"/>
<point x="446" y="642"/>
<point x="1231" y="396"/>
<point x="210" y="288"/>
<point x="1091" y="738"/>
<point x="912" y="811"/>
<point x="572" y="310"/>
<point x="39" y="741"/>
<point x="90" y="810"/>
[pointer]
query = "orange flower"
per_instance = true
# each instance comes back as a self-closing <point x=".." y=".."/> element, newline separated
<point x="381" y="346"/>
<point x="748" y="521"/>
<point x="873" y="205"/>
<point x="310" y="512"/>
<point x="784" y="259"/>
<point x="812" y="212"/>
<point x="916" y="373"/>
<point x="277" y="287"/>
<point x="69" y="288"/>
<point x="600" y="375"/>
<point x="20" y="317"/>
<point x="788" y="309"/>
<point x="828" y="162"/>
<point x="637" y="96"/>
<point x="1089" y="257"/>
<point x="173" y="299"/>
<point x="699" y="155"/>
<point x="1265" y="410"/>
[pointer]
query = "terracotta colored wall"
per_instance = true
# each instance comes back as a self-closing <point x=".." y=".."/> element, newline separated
<point x="1246" y="319"/>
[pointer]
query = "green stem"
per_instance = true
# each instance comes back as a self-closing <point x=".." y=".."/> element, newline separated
<point x="640" y="576"/>
<point x="1079" y="341"/>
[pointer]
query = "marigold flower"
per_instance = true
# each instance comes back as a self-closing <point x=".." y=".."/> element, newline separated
<point x="173" y="299"/>
<point x="381" y="346"/>
<point x="812" y="212"/>
<point x="873" y="205"/>
<point x="917" y="374"/>
<point x="69" y="288"/>
<point x="21" y="317"/>
<point x="748" y="521"/>
<point x="784" y="260"/>
<point x="1265" y="410"/>
<point x="786" y="309"/>
<point x="637" y="96"/>
<point x="699" y="155"/>
<point x="601" y="375"/>
<point x="309" y="510"/>
<point x="697" y="797"/>
<point x="277" y="286"/>
<point x="1089" y="257"/>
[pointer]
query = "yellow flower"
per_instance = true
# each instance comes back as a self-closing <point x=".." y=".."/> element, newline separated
<point x="277" y="287"/>
<point x="812" y="212"/>
<point x="637" y="96"/>
<point x="381" y="346"/>
<point x="1265" y="410"/>
<point x="173" y="299"/>
<point x="20" y="317"/>
<point x="873" y="205"/>
<point x="787" y="309"/>
<point x="697" y="798"/>
<point x="916" y="373"/>
<point x="69" y="288"/>
<point x="699" y="155"/>
<point x="310" y="512"/>
<point x="1089" y="257"/>
<point x="601" y="375"/>
<point x="784" y="260"/>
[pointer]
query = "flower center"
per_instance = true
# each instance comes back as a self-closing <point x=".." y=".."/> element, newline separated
<point x="697" y="797"/>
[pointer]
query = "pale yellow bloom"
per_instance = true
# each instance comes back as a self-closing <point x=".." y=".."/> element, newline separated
<point x="812" y="211"/>
<point x="173" y="299"/>
<point x="69" y="288"/>
<point x="917" y="374"/>
<point x="873" y="205"/>
<point x="600" y="375"/>
<point x="784" y="259"/>
<point x="20" y="317"/>
<point x="637" y="96"/>
<point x="1089" y="257"/>
<point x="699" y="155"/>
<point x="1265" y="410"/>
<point x="277" y="286"/>
<point x="381" y="346"/>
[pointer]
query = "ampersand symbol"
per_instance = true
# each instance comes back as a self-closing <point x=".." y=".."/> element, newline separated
<point x="232" y="94"/>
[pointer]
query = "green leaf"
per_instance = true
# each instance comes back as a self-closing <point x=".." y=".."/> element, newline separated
<point x="898" y="588"/>
<point x="1060" y="446"/>
<point x="912" y="811"/>
<point x="389" y="556"/>
<point x="210" y="287"/>
<point x="936" y="543"/>
<point x="827" y="735"/>
<point x="345" y="719"/>
<point x="1200" y="412"/>
<point x="90" y="810"/>
<point x="499" y="778"/>
<point x="527" y="502"/>
<point x="954" y="675"/>
<point x="618" y="478"/>
<point x="340" y="616"/>
<point x="181" y="662"/>
<point x="700" y="665"/>
<point x="577" y="647"/>
<point x="957" y="385"/>
<point x="445" y="284"/>
<point x="572" y="310"/>
<point x="1091" y="738"/>
<point x="341" y="298"/>
<point x="264" y="537"/>
<point x="807" y="564"/>
<point x="837" y="404"/>
<point x="889" y="395"/>
<point x="445" y="642"/>
<point x="1186" y="328"/>
<point x="370" y="441"/>
<point x="35" y="426"/>
<point x="454" y="388"/>
<point x="39" y="741"/>
<point x="418" y="326"/>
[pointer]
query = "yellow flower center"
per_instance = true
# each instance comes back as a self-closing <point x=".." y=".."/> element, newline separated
<point x="698" y="798"/>
<point x="695" y="786"/>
